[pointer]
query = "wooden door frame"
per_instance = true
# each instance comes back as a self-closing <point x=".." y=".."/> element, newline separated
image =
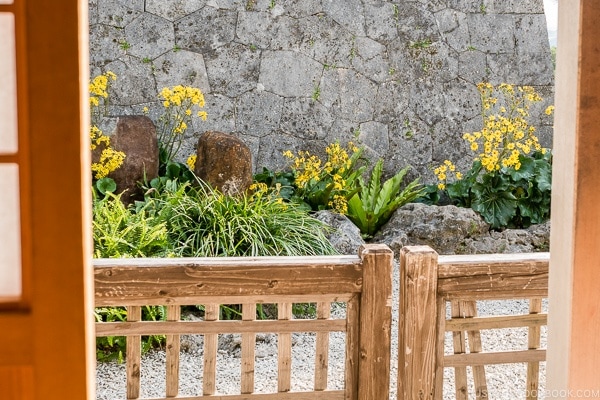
<point x="48" y="336"/>
<point x="574" y="310"/>
<point x="57" y="304"/>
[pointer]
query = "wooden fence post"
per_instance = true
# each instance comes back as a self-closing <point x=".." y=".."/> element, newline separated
<point x="417" y="325"/>
<point x="375" y="322"/>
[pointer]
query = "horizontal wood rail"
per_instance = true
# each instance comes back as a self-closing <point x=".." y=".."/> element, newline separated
<point x="428" y="282"/>
<point x="363" y="282"/>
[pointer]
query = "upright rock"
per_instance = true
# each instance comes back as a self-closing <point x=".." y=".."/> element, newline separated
<point x="457" y="230"/>
<point x="135" y="135"/>
<point x="225" y="162"/>
<point x="443" y="228"/>
<point x="344" y="236"/>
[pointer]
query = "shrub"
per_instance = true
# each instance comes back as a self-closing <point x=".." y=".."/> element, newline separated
<point x="509" y="181"/>
<point x="374" y="203"/>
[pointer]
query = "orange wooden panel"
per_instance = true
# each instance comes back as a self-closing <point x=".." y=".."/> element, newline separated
<point x="16" y="383"/>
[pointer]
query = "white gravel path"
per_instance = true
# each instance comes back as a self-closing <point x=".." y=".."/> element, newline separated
<point x="504" y="381"/>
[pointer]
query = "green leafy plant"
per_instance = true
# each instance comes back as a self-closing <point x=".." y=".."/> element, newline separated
<point x="281" y="182"/>
<point x="509" y="181"/>
<point x="105" y="185"/>
<point x="316" y="93"/>
<point x="122" y="232"/>
<point x="374" y="204"/>
<point x="118" y="232"/>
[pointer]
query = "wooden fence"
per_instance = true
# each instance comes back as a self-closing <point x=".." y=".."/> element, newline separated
<point x="428" y="282"/>
<point x="363" y="282"/>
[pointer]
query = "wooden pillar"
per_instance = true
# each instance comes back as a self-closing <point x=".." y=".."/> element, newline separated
<point x="574" y="310"/>
<point x="375" y="322"/>
<point x="418" y="366"/>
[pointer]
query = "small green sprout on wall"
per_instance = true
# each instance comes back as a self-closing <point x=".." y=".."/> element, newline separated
<point x="124" y="45"/>
<point x="316" y="93"/>
<point x="420" y="44"/>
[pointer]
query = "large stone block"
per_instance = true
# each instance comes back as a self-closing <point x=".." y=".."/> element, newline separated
<point x="224" y="162"/>
<point x="306" y="73"/>
<point x="150" y="36"/>
<point x="135" y="135"/>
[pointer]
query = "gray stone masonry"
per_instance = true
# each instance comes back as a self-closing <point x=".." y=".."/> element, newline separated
<point x="395" y="76"/>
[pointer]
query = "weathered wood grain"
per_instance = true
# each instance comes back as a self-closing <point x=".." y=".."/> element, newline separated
<point x="474" y="338"/>
<point x="417" y="329"/>
<point x="503" y="357"/>
<point x="352" y="348"/>
<point x="284" y="350"/>
<point x="323" y="395"/>
<point x="533" y="341"/>
<point x="116" y="299"/>
<point x="460" y="347"/>
<point x="493" y="276"/>
<point x="497" y="322"/>
<point x="375" y="323"/>
<point x="248" y="350"/>
<point x="215" y="327"/>
<point x="172" y="281"/>
<point x="211" y="313"/>
<point x="173" y="346"/>
<point x="322" y="348"/>
<point x="133" y="350"/>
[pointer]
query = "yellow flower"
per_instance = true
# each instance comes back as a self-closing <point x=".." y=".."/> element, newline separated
<point x="191" y="161"/>
<point x="339" y="204"/>
<point x="549" y="110"/>
<point x="145" y="110"/>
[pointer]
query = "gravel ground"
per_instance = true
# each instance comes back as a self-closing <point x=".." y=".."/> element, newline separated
<point x="504" y="381"/>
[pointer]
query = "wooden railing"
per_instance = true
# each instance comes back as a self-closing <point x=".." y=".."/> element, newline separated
<point x="363" y="282"/>
<point x="428" y="282"/>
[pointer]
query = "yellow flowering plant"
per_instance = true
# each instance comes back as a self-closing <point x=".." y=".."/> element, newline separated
<point x="106" y="159"/>
<point x="509" y="182"/>
<point x="319" y="184"/>
<point x="179" y="103"/>
<point x="327" y="184"/>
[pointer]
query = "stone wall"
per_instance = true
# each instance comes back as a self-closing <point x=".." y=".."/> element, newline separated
<point x="396" y="76"/>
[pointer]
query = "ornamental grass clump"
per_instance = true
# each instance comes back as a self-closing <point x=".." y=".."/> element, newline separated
<point x="509" y="182"/>
<point x="202" y="222"/>
<point x="108" y="159"/>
